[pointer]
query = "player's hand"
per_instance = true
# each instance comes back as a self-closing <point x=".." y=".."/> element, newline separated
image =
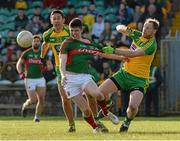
<point x="108" y="49"/>
<point x="43" y="61"/>
<point x="22" y="75"/>
<point x="121" y="28"/>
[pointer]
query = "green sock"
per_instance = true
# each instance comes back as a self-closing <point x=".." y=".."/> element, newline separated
<point x="127" y="121"/>
<point x="109" y="102"/>
<point x="72" y="124"/>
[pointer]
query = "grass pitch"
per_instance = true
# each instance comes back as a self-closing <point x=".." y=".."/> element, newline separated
<point x="55" y="128"/>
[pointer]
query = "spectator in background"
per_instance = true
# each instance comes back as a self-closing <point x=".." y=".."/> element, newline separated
<point x="152" y="12"/>
<point x="106" y="35"/>
<point x="152" y="94"/>
<point x="93" y="11"/>
<point x="21" y="4"/>
<point x="70" y="14"/>
<point x="10" y="38"/>
<point x="7" y="52"/>
<point x="85" y="32"/>
<point x="9" y="71"/>
<point x="124" y="15"/>
<point x="137" y="13"/>
<point x="21" y="20"/>
<point x="54" y="3"/>
<point x="37" y="13"/>
<point x="98" y="28"/>
<point x="34" y="25"/>
<point x="88" y="18"/>
<point x="7" y="4"/>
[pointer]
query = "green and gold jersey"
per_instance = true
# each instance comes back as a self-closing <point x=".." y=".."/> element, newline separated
<point x="79" y="55"/>
<point x="54" y="40"/>
<point x="140" y="66"/>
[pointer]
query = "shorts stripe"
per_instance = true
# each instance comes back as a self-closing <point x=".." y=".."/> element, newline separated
<point x="116" y="83"/>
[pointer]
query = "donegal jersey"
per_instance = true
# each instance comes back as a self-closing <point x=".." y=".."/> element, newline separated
<point x="140" y="66"/>
<point x="79" y="55"/>
<point x="32" y="63"/>
<point x="54" y="40"/>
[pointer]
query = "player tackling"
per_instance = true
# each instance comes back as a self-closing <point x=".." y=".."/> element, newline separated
<point x="134" y="75"/>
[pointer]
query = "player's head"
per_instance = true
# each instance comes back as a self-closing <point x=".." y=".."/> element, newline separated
<point x="75" y="27"/>
<point x="150" y="28"/>
<point x="57" y="18"/>
<point x="36" y="43"/>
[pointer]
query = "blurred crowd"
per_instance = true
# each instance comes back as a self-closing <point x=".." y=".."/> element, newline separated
<point x="99" y="18"/>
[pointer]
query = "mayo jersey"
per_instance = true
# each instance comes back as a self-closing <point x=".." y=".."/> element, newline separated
<point x="79" y="55"/>
<point x="32" y="63"/>
<point x="54" y="40"/>
<point x="140" y="66"/>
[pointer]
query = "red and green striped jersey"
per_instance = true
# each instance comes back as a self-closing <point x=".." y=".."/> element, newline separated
<point x="32" y="63"/>
<point x="79" y="55"/>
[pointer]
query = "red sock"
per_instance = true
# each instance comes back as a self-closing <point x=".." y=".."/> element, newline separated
<point x="103" y="106"/>
<point x="91" y="121"/>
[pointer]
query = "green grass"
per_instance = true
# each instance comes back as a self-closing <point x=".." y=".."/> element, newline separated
<point x="54" y="128"/>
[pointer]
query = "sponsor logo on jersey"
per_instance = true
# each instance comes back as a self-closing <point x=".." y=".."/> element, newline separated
<point x="34" y="61"/>
<point x="133" y="47"/>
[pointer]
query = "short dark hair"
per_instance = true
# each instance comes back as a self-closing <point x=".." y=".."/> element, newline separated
<point x="58" y="11"/>
<point x="155" y="23"/>
<point x="75" y="22"/>
<point x="37" y="36"/>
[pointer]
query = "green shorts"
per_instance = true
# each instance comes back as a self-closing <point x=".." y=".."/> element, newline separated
<point x="58" y="74"/>
<point x="128" y="82"/>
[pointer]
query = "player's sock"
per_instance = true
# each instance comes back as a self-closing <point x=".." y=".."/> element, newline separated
<point x="72" y="127"/>
<point x="27" y="103"/>
<point x="91" y="121"/>
<point x="103" y="106"/>
<point x="37" y="118"/>
<point x="127" y="121"/>
<point x="72" y="124"/>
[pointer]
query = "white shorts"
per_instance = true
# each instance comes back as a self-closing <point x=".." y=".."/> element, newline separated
<point x="32" y="84"/>
<point x="75" y="84"/>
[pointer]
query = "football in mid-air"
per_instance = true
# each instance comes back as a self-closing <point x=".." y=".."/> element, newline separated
<point x="24" y="39"/>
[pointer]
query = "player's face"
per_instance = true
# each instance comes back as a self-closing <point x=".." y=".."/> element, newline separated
<point x="148" y="30"/>
<point x="36" y="43"/>
<point x="57" y="20"/>
<point x="76" y="33"/>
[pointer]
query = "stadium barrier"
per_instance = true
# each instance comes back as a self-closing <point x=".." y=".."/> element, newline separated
<point x="170" y="69"/>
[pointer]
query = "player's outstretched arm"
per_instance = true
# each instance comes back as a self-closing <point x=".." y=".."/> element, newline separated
<point x="123" y="52"/>
<point x="113" y="57"/>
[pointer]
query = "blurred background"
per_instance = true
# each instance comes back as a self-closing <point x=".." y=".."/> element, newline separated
<point x="99" y="17"/>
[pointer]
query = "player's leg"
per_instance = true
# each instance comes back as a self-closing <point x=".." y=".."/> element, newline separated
<point x="66" y="103"/>
<point x="92" y="89"/>
<point x="67" y="108"/>
<point x="84" y="107"/>
<point x="41" y="92"/>
<point x="94" y="108"/>
<point x="32" y="98"/>
<point x="135" y="99"/>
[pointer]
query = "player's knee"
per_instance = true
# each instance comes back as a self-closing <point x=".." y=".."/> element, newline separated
<point x="87" y="112"/>
<point x="32" y="101"/>
<point x="133" y="108"/>
<point x="100" y="97"/>
<point x="41" y="98"/>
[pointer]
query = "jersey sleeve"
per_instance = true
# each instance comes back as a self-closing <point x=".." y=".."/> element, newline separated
<point x="47" y="34"/>
<point x="96" y="45"/>
<point x="133" y="33"/>
<point x="64" y="46"/>
<point x="150" y="47"/>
